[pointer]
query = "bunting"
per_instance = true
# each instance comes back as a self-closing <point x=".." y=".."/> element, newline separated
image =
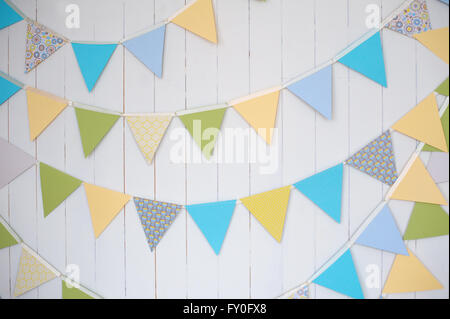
<point x="427" y="220"/>
<point x="436" y="41"/>
<point x="213" y="219"/>
<point x="6" y="238"/>
<point x="73" y="293"/>
<point x="13" y="162"/>
<point x="414" y="19"/>
<point x="445" y="127"/>
<point x="325" y="190"/>
<point x="269" y="209"/>
<point x="8" y="16"/>
<point x="443" y="88"/>
<point x="7" y="89"/>
<point x="438" y="167"/>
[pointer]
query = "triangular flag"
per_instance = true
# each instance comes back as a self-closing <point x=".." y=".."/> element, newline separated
<point x="418" y="186"/>
<point x="43" y="108"/>
<point x="269" y="209"/>
<point x="41" y="44"/>
<point x="213" y="220"/>
<point x="436" y="41"/>
<point x="424" y="124"/>
<point x="93" y="127"/>
<point x="427" y="220"/>
<point x="199" y="19"/>
<point x="13" y="162"/>
<point x="438" y="167"/>
<point x="376" y="159"/>
<point x="104" y="205"/>
<point x="341" y="277"/>
<point x="413" y="20"/>
<point x="7" y="89"/>
<point x="444" y="1"/>
<point x="208" y="123"/>
<point x="32" y="273"/>
<point x="6" y="239"/>
<point x="316" y="90"/>
<point x="8" y="15"/>
<point x="367" y="59"/>
<point x="382" y="233"/>
<point x="445" y="127"/>
<point x="73" y="293"/>
<point x="156" y="218"/>
<point x="149" y="49"/>
<point x="408" y="274"/>
<point x="92" y="59"/>
<point x="56" y="186"/>
<point x="325" y="190"/>
<point x="443" y="89"/>
<point x="260" y="112"/>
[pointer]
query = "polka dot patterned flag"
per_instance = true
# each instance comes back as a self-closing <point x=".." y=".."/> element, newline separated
<point x="413" y="20"/>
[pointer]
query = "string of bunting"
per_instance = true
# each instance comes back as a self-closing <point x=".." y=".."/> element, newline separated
<point x="259" y="110"/>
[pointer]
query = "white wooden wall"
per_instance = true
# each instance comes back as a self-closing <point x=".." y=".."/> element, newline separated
<point x="261" y="44"/>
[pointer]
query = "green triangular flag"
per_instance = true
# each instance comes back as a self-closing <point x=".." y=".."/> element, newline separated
<point x="6" y="239"/>
<point x="427" y="220"/>
<point x="56" y="186"/>
<point x="93" y="127"/>
<point x="444" y="121"/>
<point x="73" y="293"/>
<point x="198" y="123"/>
<point x="443" y="88"/>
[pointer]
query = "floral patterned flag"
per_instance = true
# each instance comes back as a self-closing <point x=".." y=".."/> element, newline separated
<point x="413" y="20"/>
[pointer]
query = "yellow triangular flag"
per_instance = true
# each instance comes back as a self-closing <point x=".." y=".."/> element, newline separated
<point x="104" y="205"/>
<point x="269" y="209"/>
<point x="199" y="19"/>
<point x="43" y="108"/>
<point x="261" y="113"/>
<point x="437" y="41"/>
<point x="418" y="186"/>
<point x="423" y="123"/>
<point x="408" y="274"/>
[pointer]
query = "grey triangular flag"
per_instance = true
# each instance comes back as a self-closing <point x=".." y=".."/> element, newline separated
<point x="13" y="162"/>
<point x="438" y="167"/>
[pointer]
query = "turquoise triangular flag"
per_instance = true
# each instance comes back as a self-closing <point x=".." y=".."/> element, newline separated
<point x="367" y="59"/>
<point x="92" y="59"/>
<point x="382" y="233"/>
<point x="8" y="15"/>
<point x="213" y="220"/>
<point x="325" y="190"/>
<point x="149" y="49"/>
<point x="7" y="89"/>
<point x="316" y="90"/>
<point x="342" y="277"/>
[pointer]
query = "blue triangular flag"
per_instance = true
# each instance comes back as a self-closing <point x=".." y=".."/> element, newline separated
<point x="149" y="49"/>
<point x="342" y="277"/>
<point x="316" y="90"/>
<point x="444" y="1"/>
<point x="382" y="233"/>
<point x="92" y="59"/>
<point x="325" y="190"/>
<point x="8" y="15"/>
<point x="213" y="220"/>
<point x="367" y="59"/>
<point x="7" y="89"/>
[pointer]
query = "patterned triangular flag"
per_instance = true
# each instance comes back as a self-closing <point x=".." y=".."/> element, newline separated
<point x="73" y="293"/>
<point x="443" y="88"/>
<point x="316" y="90"/>
<point x="341" y="277"/>
<point x="8" y="15"/>
<point x="104" y="205"/>
<point x="213" y="220"/>
<point x="13" y="162"/>
<point x="438" y="167"/>
<point x="424" y="124"/>
<point x="436" y="41"/>
<point x="56" y="186"/>
<point x="156" y="218"/>
<point x="199" y="19"/>
<point x="376" y="159"/>
<point x="445" y="127"/>
<point x="269" y="209"/>
<point x="418" y="186"/>
<point x="382" y="233"/>
<point x="41" y="44"/>
<point x="32" y="273"/>
<point x="408" y="274"/>
<point x="413" y="20"/>
<point x="149" y="49"/>
<point x="260" y="112"/>
<point x="204" y="128"/>
<point x="43" y="108"/>
<point x="301" y="293"/>
<point x="93" y="127"/>
<point x="7" y="89"/>
<point x="367" y="59"/>
<point x="427" y="220"/>
<point x="6" y="238"/>
<point x="92" y="59"/>
<point x="325" y="190"/>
